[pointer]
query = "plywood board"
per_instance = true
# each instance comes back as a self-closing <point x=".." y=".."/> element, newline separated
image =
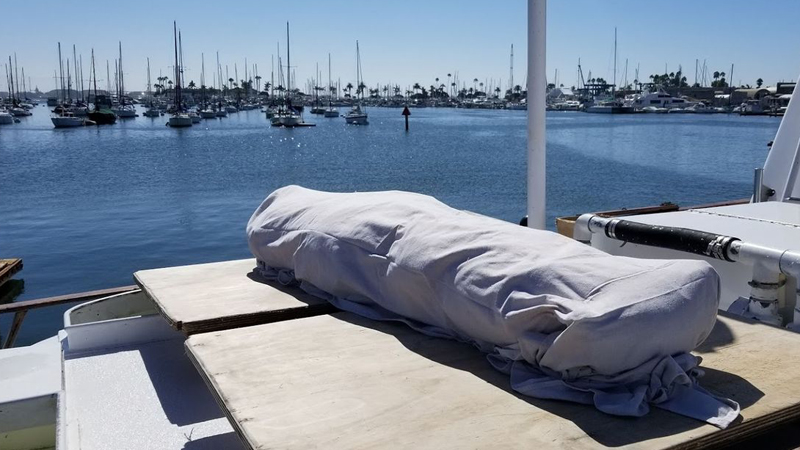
<point x="215" y="296"/>
<point x="8" y="267"/>
<point x="342" y="381"/>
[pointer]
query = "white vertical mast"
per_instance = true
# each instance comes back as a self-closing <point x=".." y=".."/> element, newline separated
<point x="537" y="82"/>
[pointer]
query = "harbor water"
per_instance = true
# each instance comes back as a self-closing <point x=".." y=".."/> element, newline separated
<point x="86" y="207"/>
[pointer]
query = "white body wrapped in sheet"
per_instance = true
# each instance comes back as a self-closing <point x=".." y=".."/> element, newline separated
<point x="610" y="330"/>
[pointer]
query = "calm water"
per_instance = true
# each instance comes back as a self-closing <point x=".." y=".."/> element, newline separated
<point x="87" y="207"/>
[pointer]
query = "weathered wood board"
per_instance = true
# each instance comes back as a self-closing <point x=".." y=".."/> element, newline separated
<point x="341" y="381"/>
<point x="216" y="296"/>
<point x="8" y="267"/>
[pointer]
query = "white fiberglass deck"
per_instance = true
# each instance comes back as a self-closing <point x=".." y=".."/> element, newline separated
<point x="770" y="224"/>
<point x="144" y="396"/>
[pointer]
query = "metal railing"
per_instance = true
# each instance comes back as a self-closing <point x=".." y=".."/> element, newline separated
<point x="20" y="309"/>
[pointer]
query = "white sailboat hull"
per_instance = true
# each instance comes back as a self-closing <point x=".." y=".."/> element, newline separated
<point x="67" y="122"/>
<point x="290" y="120"/>
<point x="208" y="114"/>
<point x="124" y="113"/>
<point x="180" y="121"/>
<point x="356" y="119"/>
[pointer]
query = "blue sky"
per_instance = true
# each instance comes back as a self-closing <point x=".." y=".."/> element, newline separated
<point x="410" y="41"/>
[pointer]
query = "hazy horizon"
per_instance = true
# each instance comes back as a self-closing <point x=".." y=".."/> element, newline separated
<point x="415" y="42"/>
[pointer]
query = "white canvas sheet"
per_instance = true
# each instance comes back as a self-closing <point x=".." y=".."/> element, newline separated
<point x="564" y="320"/>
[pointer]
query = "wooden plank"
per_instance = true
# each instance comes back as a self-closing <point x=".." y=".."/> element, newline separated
<point x="8" y="267"/>
<point x="341" y="381"/>
<point x="61" y="299"/>
<point x="216" y="296"/>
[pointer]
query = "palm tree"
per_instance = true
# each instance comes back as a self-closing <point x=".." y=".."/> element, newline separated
<point x="716" y="75"/>
<point x="349" y="89"/>
<point x="416" y="87"/>
<point x="474" y="84"/>
<point x="258" y="82"/>
<point x="386" y="91"/>
<point x="448" y="80"/>
<point x="759" y="82"/>
<point x="481" y="85"/>
<point x="191" y="84"/>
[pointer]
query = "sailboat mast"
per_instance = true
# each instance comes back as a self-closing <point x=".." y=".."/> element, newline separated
<point x="288" y="61"/>
<point x="330" y="94"/>
<point x="11" y="79"/>
<point x="180" y="56"/>
<point x="177" y="69"/>
<point x="108" y="79"/>
<point x="94" y="75"/>
<point x="60" y="71"/>
<point x="121" y="78"/>
<point x="613" y="88"/>
<point x="69" y="84"/>
<point x="75" y="63"/>
<point x="16" y="73"/>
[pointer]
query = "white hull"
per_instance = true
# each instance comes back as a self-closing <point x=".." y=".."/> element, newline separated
<point x="20" y="112"/>
<point x="290" y="120"/>
<point x="124" y="113"/>
<point x="67" y="122"/>
<point x="6" y="118"/>
<point x="331" y="113"/>
<point x="356" y="119"/>
<point x="152" y="113"/>
<point x="208" y="114"/>
<point x="180" y="121"/>
<point x="195" y="118"/>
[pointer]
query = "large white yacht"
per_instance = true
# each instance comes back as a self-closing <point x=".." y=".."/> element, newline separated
<point x="658" y="99"/>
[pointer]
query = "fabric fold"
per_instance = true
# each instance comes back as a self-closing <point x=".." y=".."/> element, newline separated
<point x="565" y="321"/>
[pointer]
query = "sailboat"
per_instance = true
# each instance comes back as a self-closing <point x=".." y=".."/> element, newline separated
<point x="179" y="118"/>
<point x="123" y="111"/>
<point x="290" y="116"/>
<point x="357" y="114"/>
<point x="64" y="118"/>
<point x="330" y="111"/>
<point x="152" y="111"/>
<point x="98" y="115"/>
<point x="611" y="105"/>
<point x="205" y="111"/>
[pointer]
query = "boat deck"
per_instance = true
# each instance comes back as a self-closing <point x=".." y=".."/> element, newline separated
<point x="771" y="224"/>
<point x="342" y="381"/>
<point x="143" y="396"/>
<point x="207" y="297"/>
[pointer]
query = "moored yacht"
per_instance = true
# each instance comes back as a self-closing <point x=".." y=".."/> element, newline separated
<point x="179" y="118"/>
<point x="5" y="117"/>
<point x="657" y="99"/>
<point x="357" y="114"/>
<point x="609" y="107"/>
<point x="67" y="120"/>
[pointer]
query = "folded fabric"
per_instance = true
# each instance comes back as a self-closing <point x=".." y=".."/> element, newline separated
<point x="564" y="320"/>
